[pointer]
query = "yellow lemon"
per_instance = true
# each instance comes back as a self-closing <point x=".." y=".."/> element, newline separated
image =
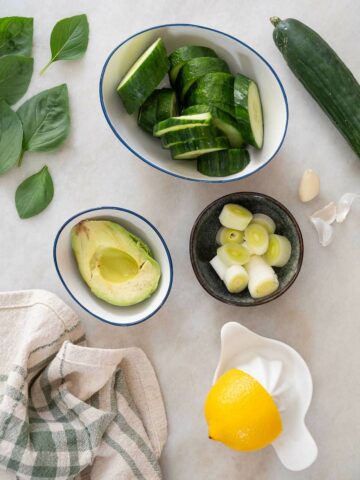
<point x="240" y="413"/>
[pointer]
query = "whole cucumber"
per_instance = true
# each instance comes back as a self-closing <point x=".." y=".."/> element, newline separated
<point x="323" y="74"/>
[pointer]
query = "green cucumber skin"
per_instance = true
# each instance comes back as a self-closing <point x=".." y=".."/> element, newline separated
<point x="154" y="68"/>
<point x="216" y="89"/>
<point x="223" y="163"/>
<point x="217" y="143"/>
<point x="241" y="87"/>
<point x="221" y="120"/>
<point x="196" y="68"/>
<point x="187" y="134"/>
<point x="183" y="54"/>
<point x="323" y="74"/>
<point x="160" y="105"/>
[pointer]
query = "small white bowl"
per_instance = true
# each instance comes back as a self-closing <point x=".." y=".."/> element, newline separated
<point x="240" y="58"/>
<point x="70" y="277"/>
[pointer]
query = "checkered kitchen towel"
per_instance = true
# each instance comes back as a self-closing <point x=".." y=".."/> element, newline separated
<point x="68" y="411"/>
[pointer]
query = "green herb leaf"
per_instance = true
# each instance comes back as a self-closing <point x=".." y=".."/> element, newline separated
<point x="11" y="135"/>
<point x="15" y="76"/>
<point x="46" y="119"/>
<point x="16" y="34"/>
<point x="69" y="39"/>
<point x="34" y="194"/>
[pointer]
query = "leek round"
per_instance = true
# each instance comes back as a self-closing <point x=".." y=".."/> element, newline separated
<point x="279" y="251"/>
<point x="235" y="216"/>
<point x="263" y="281"/>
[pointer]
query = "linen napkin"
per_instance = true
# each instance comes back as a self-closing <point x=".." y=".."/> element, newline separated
<point x="69" y="411"/>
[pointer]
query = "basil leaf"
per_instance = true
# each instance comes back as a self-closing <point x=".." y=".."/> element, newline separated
<point x="16" y="34"/>
<point x="46" y="119"/>
<point x="15" y="76"/>
<point x="34" y="194"/>
<point x="11" y="135"/>
<point x="69" y="39"/>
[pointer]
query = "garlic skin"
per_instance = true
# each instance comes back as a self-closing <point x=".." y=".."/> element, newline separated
<point x="309" y="187"/>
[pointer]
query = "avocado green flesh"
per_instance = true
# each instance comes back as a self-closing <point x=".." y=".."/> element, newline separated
<point x="117" y="266"/>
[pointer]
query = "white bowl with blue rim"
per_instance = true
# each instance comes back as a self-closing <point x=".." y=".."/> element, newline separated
<point x="71" y="279"/>
<point x="240" y="58"/>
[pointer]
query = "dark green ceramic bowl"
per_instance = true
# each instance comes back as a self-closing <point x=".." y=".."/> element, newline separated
<point x="203" y="246"/>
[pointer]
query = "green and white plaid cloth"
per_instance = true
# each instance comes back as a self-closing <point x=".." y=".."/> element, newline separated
<point x="68" y="411"/>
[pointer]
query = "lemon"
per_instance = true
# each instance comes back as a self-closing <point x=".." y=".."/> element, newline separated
<point x="240" y="413"/>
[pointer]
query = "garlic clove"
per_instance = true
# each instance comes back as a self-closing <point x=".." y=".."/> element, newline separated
<point x="324" y="230"/>
<point x="309" y="187"/>
<point x="327" y="213"/>
<point x="344" y="206"/>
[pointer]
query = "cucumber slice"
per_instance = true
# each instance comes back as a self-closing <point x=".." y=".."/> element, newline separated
<point x="236" y="279"/>
<point x="233" y="254"/>
<point x="183" y="54"/>
<point x="279" y="251"/>
<point x="219" y="266"/>
<point x="195" y="148"/>
<point x="215" y="89"/>
<point x="160" y="105"/>
<point x="264" y="220"/>
<point x="222" y="121"/>
<point x="144" y="76"/>
<point x="174" y="124"/>
<point x="248" y="110"/>
<point x="196" y="68"/>
<point x="263" y="281"/>
<point x="256" y="238"/>
<point x="223" y="163"/>
<point x="187" y="134"/>
<point x="235" y="216"/>
<point x="229" y="235"/>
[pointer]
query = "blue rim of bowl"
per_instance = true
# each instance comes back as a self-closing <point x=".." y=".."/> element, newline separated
<point x="151" y="163"/>
<point x="150" y="225"/>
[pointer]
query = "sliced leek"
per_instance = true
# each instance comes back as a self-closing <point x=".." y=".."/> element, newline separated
<point x="235" y="216"/>
<point x="264" y="220"/>
<point x="279" y="251"/>
<point x="229" y="235"/>
<point x="256" y="238"/>
<point x="233" y="254"/>
<point x="263" y="281"/>
<point x="219" y="266"/>
<point x="236" y="279"/>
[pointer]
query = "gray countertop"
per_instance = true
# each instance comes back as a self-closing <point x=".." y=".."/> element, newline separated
<point x="318" y="316"/>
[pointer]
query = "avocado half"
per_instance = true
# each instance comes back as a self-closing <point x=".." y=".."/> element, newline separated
<point x="117" y="266"/>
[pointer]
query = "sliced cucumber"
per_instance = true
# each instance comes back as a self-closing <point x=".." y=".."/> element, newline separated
<point x="196" y="68"/>
<point x="223" y="163"/>
<point x="221" y="120"/>
<point x="144" y="76"/>
<point x="236" y="279"/>
<point x="219" y="266"/>
<point x="229" y="235"/>
<point x="195" y="148"/>
<point x="183" y="54"/>
<point x="160" y="105"/>
<point x="256" y="238"/>
<point x="174" y="124"/>
<point x="279" y="251"/>
<point x="233" y="254"/>
<point x="264" y="220"/>
<point x="235" y="216"/>
<point x="215" y="89"/>
<point x="263" y="281"/>
<point x="248" y="110"/>
<point x="187" y="134"/>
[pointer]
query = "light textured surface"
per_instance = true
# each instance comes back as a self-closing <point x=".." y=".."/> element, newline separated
<point x="319" y="315"/>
